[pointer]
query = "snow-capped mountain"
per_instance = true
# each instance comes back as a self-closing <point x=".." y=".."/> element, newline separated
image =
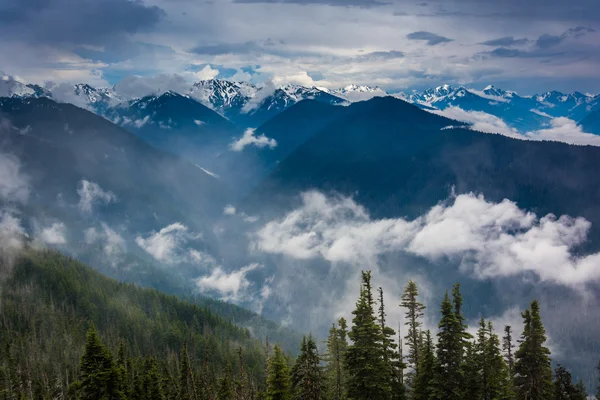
<point x="11" y="87"/>
<point x="353" y="93"/>
<point x="222" y="95"/>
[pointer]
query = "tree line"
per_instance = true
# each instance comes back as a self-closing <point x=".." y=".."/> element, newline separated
<point x="141" y="344"/>
<point x="364" y="362"/>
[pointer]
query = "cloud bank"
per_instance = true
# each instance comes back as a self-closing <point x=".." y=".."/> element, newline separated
<point x="561" y="129"/>
<point x="486" y="239"/>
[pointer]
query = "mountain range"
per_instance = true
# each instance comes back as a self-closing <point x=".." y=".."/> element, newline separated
<point x="248" y="105"/>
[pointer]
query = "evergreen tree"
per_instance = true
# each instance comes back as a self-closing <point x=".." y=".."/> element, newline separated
<point x="368" y="376"/>
<point x="473" y="386"/>
<point x="337" y="378"/>
<point x="152" y="380"/>
<point x="96" y="368"/>
<point x="507" y="347"/>
<point x="533" y="370"/>
<point x="449" y="380"/>
<point x="563" y="387"/>
<point x="308" y="382"/>
<point x="414" y="315"/>
<point x="499" y="384"/>
<point x="278" y="381"/>
<point x="581" y="391"/>
<point x="482" y="364"/>
<point x="391" y="358"/>
<point x="225" y="389"/>
<point x="423" y="386"/>
<point x="187" y="388"/>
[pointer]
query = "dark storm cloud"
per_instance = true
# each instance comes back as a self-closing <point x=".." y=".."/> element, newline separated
<point x="337" y="3"/>
<point x="431" y="38"/>
<point x="506" y="41"/>
<point x="81" y="22"/>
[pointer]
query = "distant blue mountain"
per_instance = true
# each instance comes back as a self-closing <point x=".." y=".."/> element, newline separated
<point x="591" y="123"/>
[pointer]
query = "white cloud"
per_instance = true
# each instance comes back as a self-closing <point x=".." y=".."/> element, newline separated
<point x="113" y="244"/>
<point x="206" y="73"/>
<point x="12" y="235"/>
<point x="169" y="244"/>
<point x="14" y="184"/>
<point x="54" y="234"/>
<point x="91" y="193"/>
<point x="565" y="130"/>
<point x="480" y="121"/>
<point x="249" y="139"/>
<point x="561" y="129"/>
<point x="486" y="239"/>
<point x="229" y="210"/>
<point x="230" y="286"/>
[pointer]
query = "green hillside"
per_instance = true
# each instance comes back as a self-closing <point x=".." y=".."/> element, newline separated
<point x="47" y="302"/>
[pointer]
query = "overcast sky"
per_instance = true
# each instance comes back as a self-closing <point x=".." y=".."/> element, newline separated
<point x="528" y="46"/>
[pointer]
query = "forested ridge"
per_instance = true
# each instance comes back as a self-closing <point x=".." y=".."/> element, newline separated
<point x="68" y="332"/>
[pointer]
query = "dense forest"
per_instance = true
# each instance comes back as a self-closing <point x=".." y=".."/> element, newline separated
<point x="68" y="332"/>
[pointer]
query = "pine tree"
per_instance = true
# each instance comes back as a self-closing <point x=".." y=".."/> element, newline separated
<point x="337" y="378"/>
<point x="96" y="368"/>
<point x="423" y="386"/>
<point x="225" y="389"/>
<point x="581" y="391"/>
<point x="472" y="390"/>
<point x="391" y="359"/>
<point x="499" y="384"/>
<point x="414" y="315"/>
<point x="278" y="381"/>
<point x="533" y="371"/>
<point x="307" y="378"/>
<point x="482" y="363"/>
<point x="187" y="389"/>
<point x="507" y="347"/>
<point x="364" y="358"/>
<point x="449" y="383"/>
<point x="152" y="380"/>
<point x="563" y="387"/>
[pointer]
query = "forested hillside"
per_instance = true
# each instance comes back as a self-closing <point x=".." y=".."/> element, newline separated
<point x="48" y="302"/>
<point x="142" y="344"/>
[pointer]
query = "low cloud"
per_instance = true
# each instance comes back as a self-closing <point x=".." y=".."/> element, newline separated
<point x="431" y="38"/>
<point x="113" y="244"/>
<point x="14" y="183"/>
<point x="55" y="234"/>
<point x="12" y="236"/>
<point x="486" y="239"/>
<point x="169" y="245"/>
<point x="90" y="193"/>
<point x="480" y="121"/>
<point x="249" y="139"/>
<point x="132" y="87"/>
<point x="229" y="286"/>
<point x="560" y="130"/>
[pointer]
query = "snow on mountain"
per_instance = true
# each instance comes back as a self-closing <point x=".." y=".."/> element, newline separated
<point x="11" y="87"/>
<point x="85" y="96"/>
<point x="222" y="95"/>
<point x="353" y="93"/>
